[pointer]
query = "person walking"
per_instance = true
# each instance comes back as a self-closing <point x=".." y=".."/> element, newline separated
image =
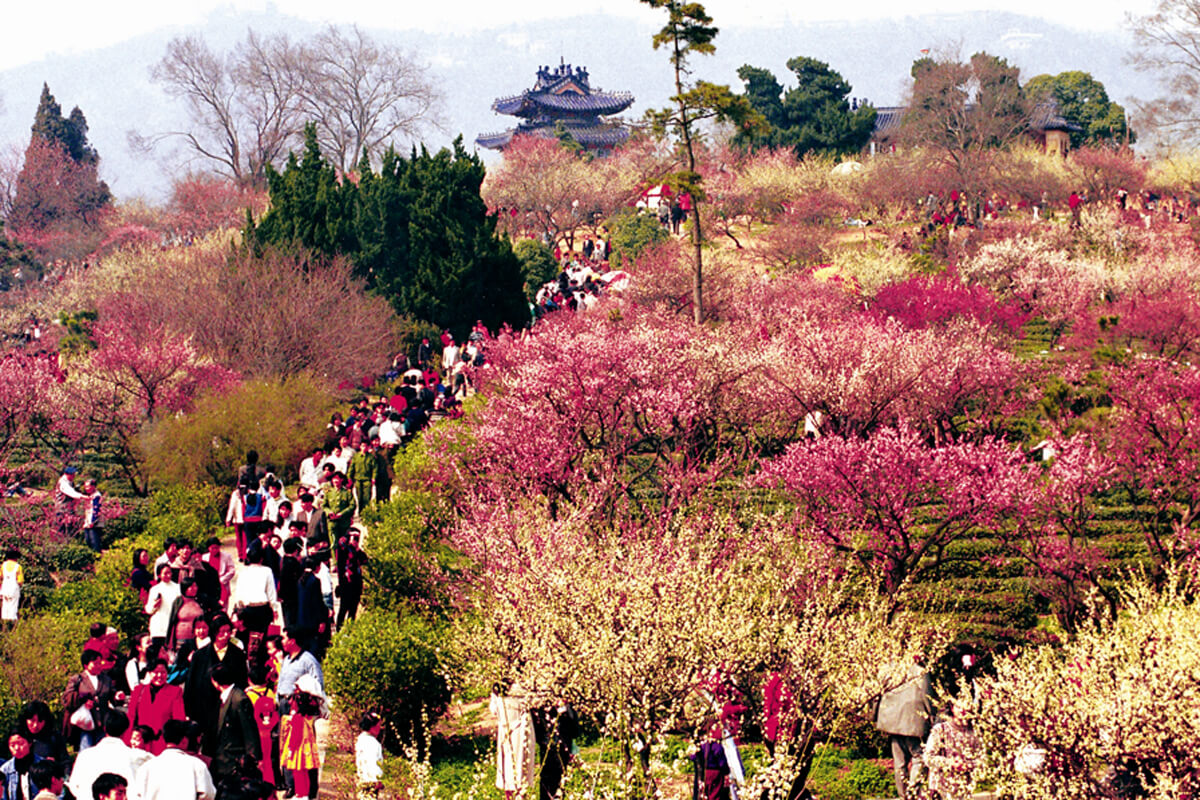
<point x="232" y="742"/>
<point x="904" y="715"/>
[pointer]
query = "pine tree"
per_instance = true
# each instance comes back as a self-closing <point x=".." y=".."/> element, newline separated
<point x="417" y="232"/>
<point x="58" y="184"/>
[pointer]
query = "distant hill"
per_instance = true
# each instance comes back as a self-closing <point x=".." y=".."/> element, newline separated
<point x="113" y="87"/>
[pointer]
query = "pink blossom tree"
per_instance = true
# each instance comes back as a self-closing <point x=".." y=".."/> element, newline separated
<point x="1153" y="438"/>
<point x="862" y="373"/>
<point x="894" y="504"/>
<point x="1058" y="540"/>
<point x="628" y="407"/>
<point x="137" y="371"/>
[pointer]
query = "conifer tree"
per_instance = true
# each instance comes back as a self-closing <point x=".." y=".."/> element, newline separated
<point x="417" y="232"/>
<point x="58" y="183"/>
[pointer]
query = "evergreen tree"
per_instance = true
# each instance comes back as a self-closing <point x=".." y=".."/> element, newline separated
<point x="58" y="183"/>
<point x="1083" y="100"/>
<point x="417" y="232"/>
<point x="311" y="205"/>
<point x="815" y="116"/>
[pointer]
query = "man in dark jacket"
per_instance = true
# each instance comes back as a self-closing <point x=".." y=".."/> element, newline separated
<point x="312" y="615"/>
<point x="233" y="742"/>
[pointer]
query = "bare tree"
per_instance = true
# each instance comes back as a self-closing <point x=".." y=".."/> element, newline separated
<point x="11" y="159"/>
<point x="960" y="113"/>
<point x="248" y="107"/>
<point x="363" y="95"/>
<point x="244" y="106"/>
<point x="1168" y="46"/>
<point x="265" y="70"/>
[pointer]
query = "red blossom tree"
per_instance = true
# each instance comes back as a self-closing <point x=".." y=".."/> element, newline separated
<point x="922" y="302"/>
<point x="203" y="203"/>
<point x="137" y="371"/>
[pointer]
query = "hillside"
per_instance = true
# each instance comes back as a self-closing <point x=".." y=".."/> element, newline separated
<point x="113" y="88"/>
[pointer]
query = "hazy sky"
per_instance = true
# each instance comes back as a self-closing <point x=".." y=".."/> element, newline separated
<point x="34" y="29"/>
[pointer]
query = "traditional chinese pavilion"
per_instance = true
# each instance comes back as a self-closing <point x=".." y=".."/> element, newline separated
<point x="563" y="96"/>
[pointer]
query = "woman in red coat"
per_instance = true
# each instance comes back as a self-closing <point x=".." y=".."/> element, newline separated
<point x="154" y="703"/>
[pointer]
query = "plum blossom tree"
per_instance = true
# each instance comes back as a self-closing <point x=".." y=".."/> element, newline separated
<point x="29" y="389"/>
<point x="922" y="302"/>
<point x="1107" y="714"/>
<point x="1153" y="438"/>
<point x="1058" y="539"/>
<point x="893" y="504"/>
<point x="543" y="189"/>
<point x="137" y="371"/>
<point x="200" y="204"/>
<point x="642" y="628"/>
<point x="863" y="373"/>
<point x="628" y="408"/>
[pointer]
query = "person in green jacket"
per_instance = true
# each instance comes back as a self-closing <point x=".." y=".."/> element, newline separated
<point x="362" y="475"/>
<point x="339" y="507"/>
<point x="383" y="472"/>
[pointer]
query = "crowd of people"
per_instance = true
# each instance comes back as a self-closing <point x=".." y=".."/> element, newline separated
<point x="581" y="281"/>
<point x="219" y="696"/>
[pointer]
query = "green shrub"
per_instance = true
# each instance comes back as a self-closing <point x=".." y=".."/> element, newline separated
<point x="180" y="527"/>
<point x="861" y="739"/>
<point x="37" y="656"/>
<point x="409" y="563"/>
<point x="131" y="523"/>
<point x="104" y="596"/>
<point x="206" y="503"/>
<point x="835" y="776"/>
<point x="869" y="779"/>
<point x="631" y="234"/>
<point x="72" y="557"/>
<point x="537" y="263"/>
<point x="35" y="598"/>
<point x="281" y="419"/>
<point x="389" y="664"/>
<point x="413" y="465"/>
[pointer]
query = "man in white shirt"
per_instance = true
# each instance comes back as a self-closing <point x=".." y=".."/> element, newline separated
<point x="110" y="754"/>
<point x="175" y="773"/>
<point x="340" y="456"/>
<point x="310" y="470"/>
<point x="275" y="496"/>
<point x="449" y="357"/>
<point x="254" y="598"/>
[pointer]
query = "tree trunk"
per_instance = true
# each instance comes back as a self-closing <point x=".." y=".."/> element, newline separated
<point x="697" y="276"/>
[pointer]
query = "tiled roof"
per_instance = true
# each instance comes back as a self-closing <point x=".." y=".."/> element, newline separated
<point x="530" y="103"/>
<point x="1044" y="116"/>
<point x="590" y="136"/>
<point x="888" y="119"/>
